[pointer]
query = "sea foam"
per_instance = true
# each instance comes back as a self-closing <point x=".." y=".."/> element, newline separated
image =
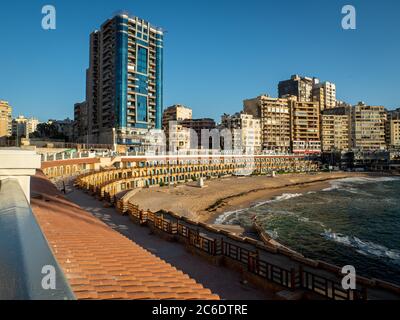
<point x="364" y="247"/>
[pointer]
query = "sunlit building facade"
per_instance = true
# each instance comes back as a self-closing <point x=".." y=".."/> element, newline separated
<point x="125" y="81"/>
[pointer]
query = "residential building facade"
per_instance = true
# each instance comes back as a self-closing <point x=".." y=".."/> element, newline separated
<point x="394" y="133"/>
<point x="81" y="122"/>
<point x="274" y="114"/>
<point x="177" y="137"/>
<point x="5" y="119"/>
<point x="305" y="126"/>
<point x="325" y="94"/>
<point x="393" y="128"/>
<point x="245" y="131"/>
<point x="22" y="126"/>
<point x="197" y="126"/>
<point x="125" y="81"/>
<point x="300" y="87"/>
<point x="335" y="135"/>
<point x="368" y="127"/>
<point x="176" y="112"/>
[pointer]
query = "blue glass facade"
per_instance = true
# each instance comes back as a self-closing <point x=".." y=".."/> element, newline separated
<point x="159" y="81"/>
<point x="141" y="108"/>
<point x="121" y="72"/>
<point x="141" y="101"/>
<point x="138" y="89"/>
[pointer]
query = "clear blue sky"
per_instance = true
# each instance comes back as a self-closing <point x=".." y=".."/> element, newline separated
<point x="217" y="52"/>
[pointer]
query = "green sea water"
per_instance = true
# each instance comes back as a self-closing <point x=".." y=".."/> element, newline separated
<point x="356" y="221"/>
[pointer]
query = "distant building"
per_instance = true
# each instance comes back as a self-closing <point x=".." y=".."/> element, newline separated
<point x="325" y="94"/>
<point x="176" y="112"/>
<point x="368" y="127"/>
<point x="394" y="133"/>
<point x="335" y="132"/>
<point x="245" y="131"/>
<point x="5" y="119"/>
<point x="22" y="126"/>
<point x="305" y="127"/>
<point x="64" y="128"/>
<point x="274" y="114"/>
<point x="393" y="128"/>
<point x="178" y="137"/>
<point x="300" y="87"/>
<point x="81" y="122"/>
<point x="197" y="125"/>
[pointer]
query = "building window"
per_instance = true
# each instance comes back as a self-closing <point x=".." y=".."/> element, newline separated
<point x="142" y="60"/>
<point x="141" y="108"/>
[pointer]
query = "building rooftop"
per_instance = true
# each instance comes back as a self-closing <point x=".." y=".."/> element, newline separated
<point x="100" y="263"/>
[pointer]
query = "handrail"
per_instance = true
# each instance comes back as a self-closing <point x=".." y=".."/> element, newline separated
<point x="25" y="256"/>
<point x="215" y="245"/>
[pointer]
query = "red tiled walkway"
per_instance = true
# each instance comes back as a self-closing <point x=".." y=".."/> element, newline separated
<point x="100" y="263"/>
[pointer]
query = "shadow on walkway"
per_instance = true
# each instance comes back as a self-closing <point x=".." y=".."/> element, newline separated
<point x="220" y="280"/>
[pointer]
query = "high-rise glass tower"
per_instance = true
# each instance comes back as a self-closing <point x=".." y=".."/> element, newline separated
<point x="124" y="89"/>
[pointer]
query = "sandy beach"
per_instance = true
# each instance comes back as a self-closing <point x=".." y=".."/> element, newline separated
<point x="231" y="193"/>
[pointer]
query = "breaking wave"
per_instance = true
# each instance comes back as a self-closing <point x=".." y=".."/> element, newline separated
<point x="223" y="218"/>
<point x="348" y="184"/>
<point x="364" y="247"/>
<point x="273" y="234"/>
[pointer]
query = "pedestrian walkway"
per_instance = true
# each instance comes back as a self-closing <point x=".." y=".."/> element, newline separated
<point x="222" y="281"/>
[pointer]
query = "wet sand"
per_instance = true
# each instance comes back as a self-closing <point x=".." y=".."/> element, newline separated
<point x="231" y="193"/>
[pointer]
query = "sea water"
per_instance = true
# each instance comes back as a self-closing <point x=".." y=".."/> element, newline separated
<point x="356" y="221"/>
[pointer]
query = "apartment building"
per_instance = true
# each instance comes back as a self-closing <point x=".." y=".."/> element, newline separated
<point x="394" y="133"/>
<point x="22" y="126"/>
<point x="305" y="126"/>
<point x="300" y="87"/>
<point x="274" y="115"/>
<point x="245" y="131"/>
<point x="368" y="127"/>
<point x="81" y="122"/>
<point x="177" y="137"/>
<point x="197" y="126"/>
<point x="5" y="119"/>
<point x="393" y="128"/>
<point x="125" y="81"/>
<point x="325" y="94"/>
<point x="176" y="112"/>
<point x="335" y="135"/>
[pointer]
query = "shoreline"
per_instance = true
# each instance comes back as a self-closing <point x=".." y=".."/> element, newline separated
<point x="235" y="203"/>
<point x="254" y="197"/>
<point x="233" y="193"/>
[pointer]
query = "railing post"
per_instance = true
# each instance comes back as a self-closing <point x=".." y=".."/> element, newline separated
<point x="293" y="278"/>
<point x="301" y="276"/>
<point x="364" y="293"/>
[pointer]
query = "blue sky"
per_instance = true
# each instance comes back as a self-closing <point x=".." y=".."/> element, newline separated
<point x="217" y="52"/>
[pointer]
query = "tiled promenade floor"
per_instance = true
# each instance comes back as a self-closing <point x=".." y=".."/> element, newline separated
<point x="222" y="281"/>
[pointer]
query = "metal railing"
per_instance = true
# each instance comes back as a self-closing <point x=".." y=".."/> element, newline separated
<point x="219" y="245"/>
